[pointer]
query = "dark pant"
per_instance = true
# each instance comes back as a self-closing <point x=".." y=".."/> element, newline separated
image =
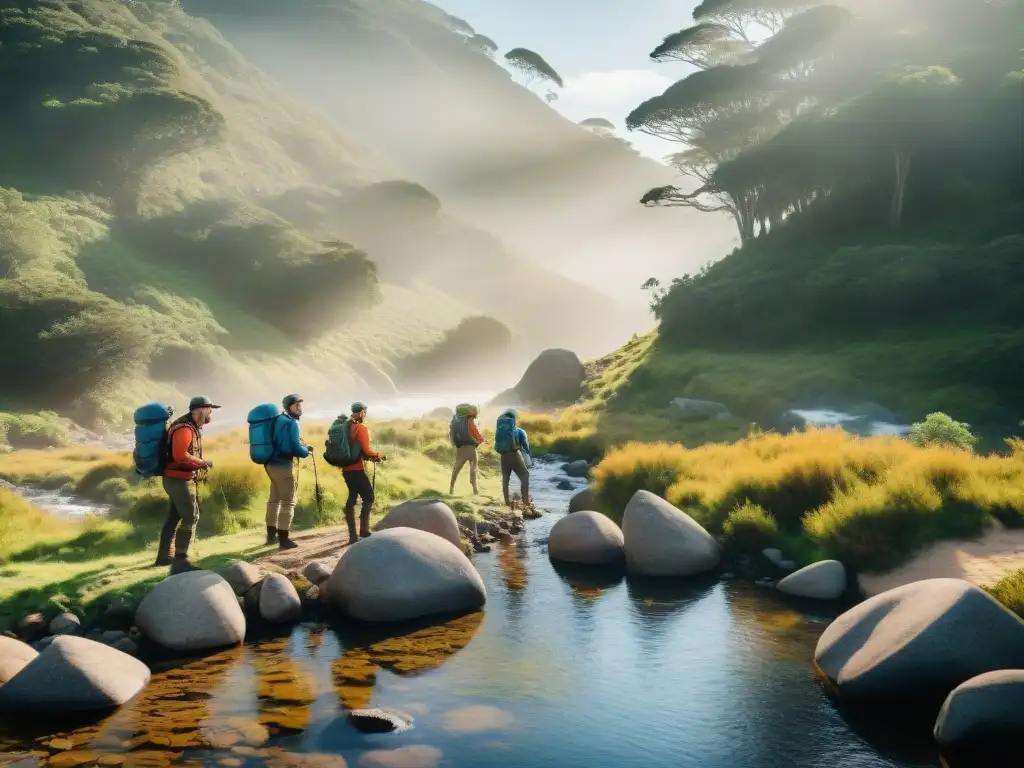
<point x="513" y="463"/>
<point x="182" y="517"/>
<point x="359" y="486"/>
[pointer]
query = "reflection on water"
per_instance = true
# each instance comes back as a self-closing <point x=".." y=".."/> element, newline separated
<point x="567" y="666"/>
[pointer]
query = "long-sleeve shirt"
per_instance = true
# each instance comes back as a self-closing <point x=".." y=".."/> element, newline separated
<point x="287" y="445"/>
<point x="522" y="440"/>
<point x="474" y="432"/>
<point x="361" y="437"/>
<point x="186" y="450"/>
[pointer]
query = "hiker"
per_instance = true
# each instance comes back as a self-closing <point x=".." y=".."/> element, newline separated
<point x="284" y="483"/>
<point x="511" y="443"/>
<point x="185" y="463"/>
<point x="466" y="437"/>
<point x="356" y="479"/>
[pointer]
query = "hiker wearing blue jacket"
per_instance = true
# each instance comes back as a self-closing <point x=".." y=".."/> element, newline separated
<point x="512" y="444"/>
<point x="284" y="482"/>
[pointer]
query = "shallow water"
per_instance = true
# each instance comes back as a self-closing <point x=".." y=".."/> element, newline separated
<point x="561" y="669"/>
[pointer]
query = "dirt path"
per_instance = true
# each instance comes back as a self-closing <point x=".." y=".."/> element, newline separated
<point x="982" y="562"/>
<point x="327" y="544"/>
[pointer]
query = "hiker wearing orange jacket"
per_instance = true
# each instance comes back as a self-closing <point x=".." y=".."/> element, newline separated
<point x="466" y="437"/>
<point x="356" y="479"/>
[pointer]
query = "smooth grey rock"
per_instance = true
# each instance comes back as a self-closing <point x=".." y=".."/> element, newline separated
<point x="772" y="555"/>
<point x="14" y="656"/>
<point x="586" y="537"/>
<point x="241" y="576"/>
<point x="824" y="580"/>
<point x="430" y="515"/>
<point x="986" y="707"/>
<point x="66" y="624"/>
<point x="279" y="602"/>
<point x="578" y="468"/>
<point x="664" y="541"/>
<point x="193" y="611"/>
<point x="316" y="572"/>
<point x="585" y="499"/>
<point x="126" y="645"/>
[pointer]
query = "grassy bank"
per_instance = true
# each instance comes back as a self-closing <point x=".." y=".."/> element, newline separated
<point x="869" y="502"/>
<point x="46" y="562"/>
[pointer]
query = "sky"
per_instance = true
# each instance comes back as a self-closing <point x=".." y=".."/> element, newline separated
<point x="599" y="47"/>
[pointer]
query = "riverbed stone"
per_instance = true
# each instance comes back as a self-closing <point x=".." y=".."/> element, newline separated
<point x="66" y="624"/>
<point x="585" y="499"/>
<point x="661" y="540"/>
<point x="74" y="675"/>
<point x="403" y="573"/>
<point x="430" y="515"/>
<point x="279" y="600"/>
<point x="241" y="576"/>
<point x="14" y="656"/>
<point x="316" y="572"/>
<point x="193" y="611"/>
<point x="126" y="645"/>
<point x="586" y="537"/>
<point x="824" y="580"/>
<point x="984" y="708"/>
<point x="773" y="555"/>
<point x="918" y="640"/>
<point x="33" y="627"/>
<point x="578" y="468"/>
<point x="412" y="756"/>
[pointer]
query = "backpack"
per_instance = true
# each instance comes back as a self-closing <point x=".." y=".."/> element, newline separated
<point x="458" y="431"/>
<point x="465" y="410"/>
<point x="339" y="450"/>
<point x="505" y="435"/>
<point x="151" y="441"/>
<point x="262" y="428"/>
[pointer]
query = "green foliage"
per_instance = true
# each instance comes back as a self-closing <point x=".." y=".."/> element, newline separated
<point x="749" y="529"/>
<point x="1009" y="591"/>
<point x="940" y="429"/>
<point x="33" y="430"/>
<point x="532" y="65"/>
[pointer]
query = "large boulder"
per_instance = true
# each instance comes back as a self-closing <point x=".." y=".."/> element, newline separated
<point x="556" y="376"/>
<point x="824" y="580"/>
<point x="403" y="573"/>
<point x="241" y="576"/>
<point x="663" y="541"/>
<point x="74" y="674"/>
<point x="919" y="640"/>
<point x="279" y="602"/>
<point x="430" y="515"/>
<point x="585" y="499"/>
<point x="586" y="537"/>
<point x="985" y="708"/>
<point x="190" y="612"/>
<point x="14" y="657"/>
<point x="578" y="468"/>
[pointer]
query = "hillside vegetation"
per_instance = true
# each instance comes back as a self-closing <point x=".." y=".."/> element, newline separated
<point x="171" y="218"/>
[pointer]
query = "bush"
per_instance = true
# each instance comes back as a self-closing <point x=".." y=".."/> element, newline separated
<point x="1009" y="591"/>
<point x="940" y="429"/>
<point x="750" y="529"/>
<point x="33" y="430"/>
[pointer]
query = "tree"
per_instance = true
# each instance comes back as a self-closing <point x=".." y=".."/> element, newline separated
<point x="702" y="46"/>
<point x="483" y="44"/>
<point x="460" y="26"/>
<point x="597" y="122"/>
<point x="532" y="66"/>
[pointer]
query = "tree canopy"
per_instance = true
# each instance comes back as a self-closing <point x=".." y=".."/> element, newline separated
<point x="532" y="66"/>
<point x="483" y="44"/>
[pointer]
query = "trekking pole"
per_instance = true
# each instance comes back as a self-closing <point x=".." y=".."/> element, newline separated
<point x="316" y="486"/>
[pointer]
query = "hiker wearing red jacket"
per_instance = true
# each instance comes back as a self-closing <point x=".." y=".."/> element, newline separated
<point x="356" y="479"/>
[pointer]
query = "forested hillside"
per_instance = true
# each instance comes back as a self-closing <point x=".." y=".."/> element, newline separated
<point x="173" y="218"/>
<point x="870" y="154"/>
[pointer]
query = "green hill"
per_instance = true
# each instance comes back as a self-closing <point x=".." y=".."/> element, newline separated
<point x="164" y="209"/>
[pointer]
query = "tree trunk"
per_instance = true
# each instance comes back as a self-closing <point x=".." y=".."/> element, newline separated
<point x="902" y="159"/>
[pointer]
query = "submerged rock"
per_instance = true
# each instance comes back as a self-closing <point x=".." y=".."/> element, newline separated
<point x="403" y="573"/>
<point x="379" y="720"/>
<point x="74" y="675"/>
<point x="241" y="576"/>
<point x="661" y="540"/>
<point x="824" y="580"/>
<point x="14" y="656"/>
<point x="430" y="515"/>
<point x="412" y="756"/>
<point x="919" y="640"/>
<point x="193" y="611"/>
<point x="578" y="468"/>
<point x="279" y="602"/>
<point x="586" y="537"/>
<point x="983" y="709"/>
<point x="583" y="500"/>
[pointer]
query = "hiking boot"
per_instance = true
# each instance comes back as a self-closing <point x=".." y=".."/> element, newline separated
<point x="182" y="565"/>
<point x="272" y="534"/>
<point x="283" y="542"/>
<point x="163" y="559"/>
<point x="365" y="535"/>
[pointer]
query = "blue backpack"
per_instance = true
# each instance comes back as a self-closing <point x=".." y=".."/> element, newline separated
<point x="262" y="428"/>
<point x="505" y="435"/>
<point x="150" y="454"/>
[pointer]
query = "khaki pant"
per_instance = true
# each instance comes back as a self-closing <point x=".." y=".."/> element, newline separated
<point x="463" y="455"/>
<point x="182" y="517"/>
<point x="513" y="462"/>
<point x="284" y="492"/>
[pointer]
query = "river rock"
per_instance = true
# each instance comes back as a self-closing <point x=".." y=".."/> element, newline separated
<point x="279" y="602"/>
<point x="403" y="573"/>
<point x="74" y="675"/>
<point x="412" y="756"/>
<point x="578" y="468"/>
<point x="192" y="611"/>
<point x="586" y="537"/>
<point x="984" y="708"/>
<point x="66" y="624"/>
<point x="583" y="500"/>
<point x="664" y="541"/>
<point x="564" y="485"/>
<point x="921" y="639"/>
<point x="773" y="555"/>
<point x="430" y="515"/>
<point x="241" y="576"/>
<point x="14" y="656"/>
<point x="316" y="572"/>
<point x="32" y="627"/>
<point x="824" y="580"/>
<point x="126" y="645"/>
<point x="250" y="601"/>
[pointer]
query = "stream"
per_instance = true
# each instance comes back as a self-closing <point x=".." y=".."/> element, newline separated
<point x="562" y="668"/>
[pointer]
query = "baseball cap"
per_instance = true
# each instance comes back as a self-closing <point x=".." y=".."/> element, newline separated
<point x="291" y="400"/>
<point x="201" y="402"/>
<point x="358" y="406"/>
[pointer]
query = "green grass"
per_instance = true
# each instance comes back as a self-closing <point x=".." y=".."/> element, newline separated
<point x="1009" y="591"/>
